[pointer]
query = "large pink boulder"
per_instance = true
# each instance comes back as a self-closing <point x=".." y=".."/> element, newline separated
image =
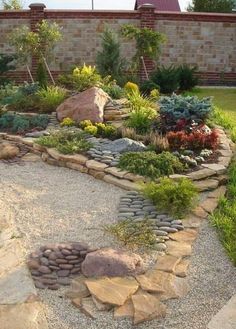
<point x="111" y="262"/>
<point x="87" y="105"/>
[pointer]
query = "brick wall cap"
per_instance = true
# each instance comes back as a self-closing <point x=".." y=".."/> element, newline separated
<point x="146" y="6"/>
<point x="37" y="5"/>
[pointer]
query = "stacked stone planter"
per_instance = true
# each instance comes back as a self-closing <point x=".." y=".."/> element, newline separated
<point x="55" y="264"/>
<point x="116" y="111"/>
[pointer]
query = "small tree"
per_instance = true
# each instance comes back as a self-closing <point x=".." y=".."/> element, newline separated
<point x="217" y="6"/>
<point x="11" y="5"/>
<point x="39" y="43"/>
<point x="148" y="42"/>
<point x="109" y="61"/>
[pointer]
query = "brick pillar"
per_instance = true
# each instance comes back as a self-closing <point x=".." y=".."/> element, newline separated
<point x="147" y="19"/>
<point x="36" y="16"/>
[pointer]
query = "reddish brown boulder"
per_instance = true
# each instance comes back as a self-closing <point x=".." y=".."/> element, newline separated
<point x="8" y="150"/>
<point x="87" y="105"/>
<point x="111" y="262"/>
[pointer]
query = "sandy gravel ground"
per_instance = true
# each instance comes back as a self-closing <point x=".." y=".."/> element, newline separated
<point x="51" y="204"/>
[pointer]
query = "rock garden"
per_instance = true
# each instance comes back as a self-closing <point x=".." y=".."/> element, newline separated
<point x="165" y="154"/>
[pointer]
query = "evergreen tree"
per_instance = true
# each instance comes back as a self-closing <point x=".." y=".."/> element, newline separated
<point x="216" y="6"/>
<point x="109" y="61"/>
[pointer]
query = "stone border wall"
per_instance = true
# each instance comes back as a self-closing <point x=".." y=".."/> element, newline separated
<point x="203" y="39"/>
<point x="207" y="177"/>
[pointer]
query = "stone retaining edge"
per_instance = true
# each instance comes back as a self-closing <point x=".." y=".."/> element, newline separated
<point x="208" y="177"/>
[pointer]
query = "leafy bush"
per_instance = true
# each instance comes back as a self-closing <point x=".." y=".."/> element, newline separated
<point x="5" y="66"/>
<point x="150" y="164"/>
<point x="85" y="123"/>
<point x="21" y="123"/>
<point x="197" y="140"/>
<point x="147" y="86"/>
<point x="81" y="78"/>
<point x="92" y="130"/>
<point x="131" y="88"/>
<point x="173" y="197"/>
<point x="114" y="91"/>
<point x="67" y="122"/>
<point x="177" y="107"/>
<point x="187" y="77"/>
<point x="50" y="98"/>
<point x="167" y="78"/>
<point x="23" y="103"/>
<point x="109" y="61"/>
<point x="66" y="141"/>
<point x="133" y="234"/>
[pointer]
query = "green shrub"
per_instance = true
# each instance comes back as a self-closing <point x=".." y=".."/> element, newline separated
<point x="85" y="123"/>
<point x="21" y="123"/>
<point x="6" y="64"/>
<point x="187" y="77"/>
<point x="114" y="91"/>
<point x="133" y="234"/>
<point x="24" y="103"/>
<point x="50" y="98"/>
<point x="66" y="141"/>
<point x="167" y="78"/>
<point x="189" y="108"/>
<point x="173" y="197"/>
<point x="150" y="164"/>
<point x="92" y="130"/>
<point x="67" y="122"/>
<point x="131" y="88"/>
<point x="147" y="86"/>
<point x="81" y="78"/>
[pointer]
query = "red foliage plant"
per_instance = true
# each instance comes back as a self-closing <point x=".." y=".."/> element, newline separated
<point x="196" y="140"/>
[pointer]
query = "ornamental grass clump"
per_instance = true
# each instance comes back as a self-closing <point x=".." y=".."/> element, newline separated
<point x="173" y="197"/>
<point x="133" y="233"/>
<point x="150" y="164"/>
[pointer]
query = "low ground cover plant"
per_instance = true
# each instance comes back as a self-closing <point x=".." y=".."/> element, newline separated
<point x="224" y="217"/>
<point x="150" y="164"/>
<point x="16" y="123"/>
<point x="133" y="234"/>
<point x="196" y="140"/>
<point x="174" y="197"/>
<point x="99" y="129"/>
<point x="66" y="141"/>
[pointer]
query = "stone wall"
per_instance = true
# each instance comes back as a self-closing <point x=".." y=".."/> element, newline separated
<point x="202" y="39"/>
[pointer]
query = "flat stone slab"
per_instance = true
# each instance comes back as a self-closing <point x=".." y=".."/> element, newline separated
<point x="226" y="317"/>
<point x="11" y="255"/>
<point x="22" y="316"/>
<point x="113" y="291"/>
<point x="147" y="307"/>
<point x="16" y="287"/>
<point x="218" y="168"/>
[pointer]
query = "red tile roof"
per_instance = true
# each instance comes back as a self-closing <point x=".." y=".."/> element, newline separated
<point x="161" y="5"/>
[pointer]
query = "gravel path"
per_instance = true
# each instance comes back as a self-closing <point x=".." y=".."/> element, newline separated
<point x="57" y="204"/>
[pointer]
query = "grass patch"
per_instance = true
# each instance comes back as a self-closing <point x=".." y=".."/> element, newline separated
<point x="133" y="234"/>
<point x="224" y="218"/>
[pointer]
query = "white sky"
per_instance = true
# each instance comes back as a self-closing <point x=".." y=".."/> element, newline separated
<point x="98" y="4"/>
